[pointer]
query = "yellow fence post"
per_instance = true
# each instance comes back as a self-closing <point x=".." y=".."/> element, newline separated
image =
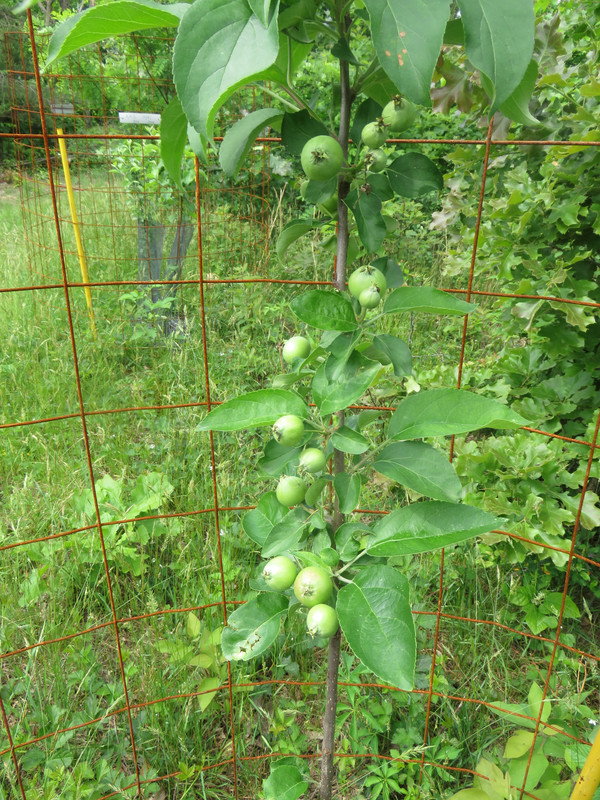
<point x="82" y="263"/>
<point x="588" y="781"/>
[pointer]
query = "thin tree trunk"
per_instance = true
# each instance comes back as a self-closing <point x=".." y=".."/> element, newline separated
<point x="333" y="652"/>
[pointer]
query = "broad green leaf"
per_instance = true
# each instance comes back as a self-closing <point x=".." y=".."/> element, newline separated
<point x="349" y="441"/>
<point x="254" y="409"/>
<point x="349" y="385"/>
<point x="347" y="489"/>
<point x="239" y="139"/>
<point x="284" y="783"/>
<point x="264" y="10"/>
<point x="320" y="191"/>
<point x="534" y="699"/>
<point x="347" y="539"/>
<point x="259" y="522"/>
<point x="470" y="794"/>
<point x="276" y="457"/>
<point x="518" y="744"/>
<point x="193" y="626"/>
<point x="298" y="128"/>
<point x="286" y="535"/>
<point x="291" y="231"/>
<point x="516" y="107"/>
<point x="109" y="20"/>
<point x="366" y="209"/>
<point x="391" y="270"/>
<point x="413" y="175"/>
<point x="324" y="310"/>
<point x="253" y="627"/>
<point x="289" y="59"/>
<point x="534" y="769"/>
<point x="499" y="41"/>
<point x="378" y="87"/>
<point x="420" y="467"/>
<point x="380" y="186"/>
<point x="427" y="526"/>
<point x="207" y="685"/>
<point x="341" y="50"/>
<point x="376" y="619"/>
<point x="427" y="299"/>
<point x="408" y="35"/>
<point x="396" y="351"/>
<point x="198" y="144"/>
<point x="173" y="138"/>
<point x="315" y="490"/>
<point x="444" y="412"/>
<point x="220" y="46"/>
<point x="494" y="782"/>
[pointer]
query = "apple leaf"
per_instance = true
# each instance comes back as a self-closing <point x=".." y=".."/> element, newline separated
<point x="240" y="137"/>
<point x="286" y="535"/>
<point x="425" y="299"/>
<point x="335" y="392"/>
<point x="347" y="489"/>
<point x="324" y="310"/>
<point x="173" y="138"/>
<point x="413" y="175"/>
<point x="427" y="526"/>
<point x="420" y="467"/>
<point x="444" y="412"/>
<point x="112" y="19"/>
<point x="253" y="627"/>
<point x="376" y="619"/>
<point x="366" y="209"/>
<point x="499" y="40"/>
<point x="220" y="46"/>
<point x="252" y="410"/>
<point x="259" y="522"/>
<point x="408" y="35"/>
<point x="284" y="783"/>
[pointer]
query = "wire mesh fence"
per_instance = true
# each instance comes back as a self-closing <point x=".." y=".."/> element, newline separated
<point x="121" y="528"/>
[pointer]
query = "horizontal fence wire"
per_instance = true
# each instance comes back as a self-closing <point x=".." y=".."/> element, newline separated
<point x="239" y="246"/>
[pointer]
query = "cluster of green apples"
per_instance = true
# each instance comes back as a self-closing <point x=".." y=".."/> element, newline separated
<point x="313" y="588"/>
<point x="322" y="157"/>
<point x="289" y="431"/>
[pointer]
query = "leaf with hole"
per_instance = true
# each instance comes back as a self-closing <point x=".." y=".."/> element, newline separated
<point x="253" y="627"/>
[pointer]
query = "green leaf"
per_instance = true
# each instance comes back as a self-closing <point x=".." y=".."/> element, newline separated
<point x="341" y="50"/>
<point x="253" y="627"/>
<point x="516" y="107"/>
<point x="324" y="310"/>
<point x="347" y="539"/>
<point x="173" y="138"/>
<point x="534" y="699"/>
<point x="292" y="231"/>
<point x="298" y="128"/>
<point x="366" y="209"/>
<point x="534" y="770"/>
<point x="320" y="191"/>
<point x="347" y="489"/>
<point x="413" y="175"/>
<point x="264" y="10"/>
<point x="109" y="20"/>
<point x="259" y="522"/>
<point x="284" y="783"/>
<point x="427" y="526"/>
<point x="376" y="619"/>
<point x="239" y="139"/>
<point x="420" y="467"/>
<point x="427" y="299"/>
<point x="396" y="351"/>
<point x="349" y="441"/>
<point x="286" y="535"/>
<point x="205" y="685"/>
<point x="254" y="409"/>
<point x="198" y="144"/>
<point x="315" y="489"/>
<point x="332" y="394"/>
<point x="193" y="626"/>
<point x="391" y="270"/>
<point x="220" y="46"/>
<point x="444" y="412"/>
<point x="276" y="457"/>
<point x="499" y="41"/>
<point x="518" y="744"/>
<point x="470" y="794"/>
<point x="408" y="35"/>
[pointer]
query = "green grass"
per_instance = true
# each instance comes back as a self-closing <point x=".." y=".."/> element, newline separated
<point x="58" y="587"/>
